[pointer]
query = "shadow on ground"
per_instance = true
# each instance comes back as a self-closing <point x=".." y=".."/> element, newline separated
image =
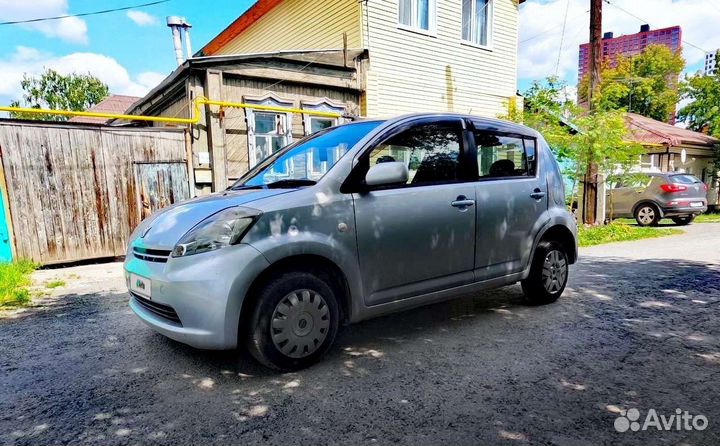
<point x="479" y="369"/>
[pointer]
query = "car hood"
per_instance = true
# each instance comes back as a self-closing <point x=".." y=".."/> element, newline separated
<point x="168" y="225"/>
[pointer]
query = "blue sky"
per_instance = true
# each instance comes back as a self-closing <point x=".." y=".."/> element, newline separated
<point x="132" y="56"/>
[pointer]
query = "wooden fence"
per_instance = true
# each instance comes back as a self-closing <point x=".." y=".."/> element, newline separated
<point x="76" y="191"/>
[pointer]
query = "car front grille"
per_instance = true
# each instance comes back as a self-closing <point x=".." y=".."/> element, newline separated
<point x="151" y="255"/>
<point x="164" y="311"/>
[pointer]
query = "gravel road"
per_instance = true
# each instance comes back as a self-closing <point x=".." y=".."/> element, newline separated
<point x="638" y="328"/>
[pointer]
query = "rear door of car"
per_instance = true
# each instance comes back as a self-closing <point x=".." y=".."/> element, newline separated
<point x="695" y="191"/>
<point x="511" y="199"/>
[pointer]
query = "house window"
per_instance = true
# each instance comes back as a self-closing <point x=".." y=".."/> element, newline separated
<point x="417" y="14"/>
<point x="268" y="131"/>
<point x="476" y="20"/>
<point x="320" y="158"/>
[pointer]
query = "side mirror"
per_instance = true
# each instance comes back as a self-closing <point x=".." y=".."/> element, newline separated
<point x="392" y="172"/>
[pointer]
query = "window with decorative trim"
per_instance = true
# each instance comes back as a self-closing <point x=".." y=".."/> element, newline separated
<point x="477" y="21"/>
<point x="268" y="131"/>
<point x="319" y="158"/>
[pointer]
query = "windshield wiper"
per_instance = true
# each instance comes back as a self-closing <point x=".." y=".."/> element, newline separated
<point x="290" y="183"/>
<point x="246" y="186"/>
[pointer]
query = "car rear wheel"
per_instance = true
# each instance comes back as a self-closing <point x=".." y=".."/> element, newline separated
<point x="294" y="321"/>
<point x="647" y="215"/>
<point x="548" y="274"/>
<point x="682" y="221"/>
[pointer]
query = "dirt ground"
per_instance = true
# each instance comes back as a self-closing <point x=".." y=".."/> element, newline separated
<point x="637" y="328"/>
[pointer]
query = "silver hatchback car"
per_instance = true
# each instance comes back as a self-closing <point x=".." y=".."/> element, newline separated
<point x="350" y="223"/>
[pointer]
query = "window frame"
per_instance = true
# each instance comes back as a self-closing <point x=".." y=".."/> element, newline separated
<point x="273" y="100"/>
<point x="490" y="26"/>
<point x="355" y="181"/>
<point x="474" y="150"/>
<point x="414" y="26"/>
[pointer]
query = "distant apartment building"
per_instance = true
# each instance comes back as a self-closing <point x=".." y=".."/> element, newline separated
<point x="711" y="63"/>
<point x="631" y="44"/>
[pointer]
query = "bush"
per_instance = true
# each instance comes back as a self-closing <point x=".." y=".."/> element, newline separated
<point x="14" y="279"/>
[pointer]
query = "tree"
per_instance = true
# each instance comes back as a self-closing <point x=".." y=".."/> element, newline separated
<point x="702" y="114"/>
<point x="646" y="84"/>
<point x="52" y="90"/>
<point x="577" y="136"/>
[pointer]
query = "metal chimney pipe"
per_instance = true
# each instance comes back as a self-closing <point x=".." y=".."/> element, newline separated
<point x="188" y="45"/>
<point x="175" y="23"/>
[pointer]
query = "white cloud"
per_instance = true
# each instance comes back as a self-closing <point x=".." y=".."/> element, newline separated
<point x="541" y="23"/>
<point x="69" y="29"/>
<point x="142" y="18"/>
<point x="31" y="61"/>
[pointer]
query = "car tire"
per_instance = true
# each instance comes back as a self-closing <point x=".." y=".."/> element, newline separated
<point x="293" y="322"/>
<point x="647" y="214"/>
<point x="682" y="221"/>
<point x="548" y="274"/>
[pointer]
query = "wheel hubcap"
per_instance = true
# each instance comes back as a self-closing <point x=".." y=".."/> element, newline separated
<point x="554" y="271"/>
<point x="646" y="215"/>
<point x="300" y="323"/>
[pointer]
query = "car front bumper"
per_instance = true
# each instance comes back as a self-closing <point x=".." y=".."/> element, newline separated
<point x="205" y="291"/>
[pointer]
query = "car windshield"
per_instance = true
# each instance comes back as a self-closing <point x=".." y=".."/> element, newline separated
<point x="684" y="179"/>
<point x="306" y="161"/>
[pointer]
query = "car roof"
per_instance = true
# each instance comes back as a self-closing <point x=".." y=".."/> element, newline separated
<point x="492" y="124"/>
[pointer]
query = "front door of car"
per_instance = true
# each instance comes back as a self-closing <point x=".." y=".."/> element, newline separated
<point x="417" y="236"/>
<point x="511" y="200"/>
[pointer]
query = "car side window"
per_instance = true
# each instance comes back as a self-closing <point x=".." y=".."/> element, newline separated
<point x="501" y="156"/>
<point x="430" y="151"/>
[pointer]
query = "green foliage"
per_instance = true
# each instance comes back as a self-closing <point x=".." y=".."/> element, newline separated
<point x="51" y="90"/>
<point x="14" y="279"/>
<point x="707" y="218"/>
<point x="703" y="113"/>
<point x="576" y="136"/>
<point x="55" y="284"/>
<point x="646" y="84"/>
<point x="619" y="232"/>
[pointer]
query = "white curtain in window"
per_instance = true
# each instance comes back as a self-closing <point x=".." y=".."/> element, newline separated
<point x="405" y="12"/>
<point x="481" y="22"/>
<point x="476" y="21"/>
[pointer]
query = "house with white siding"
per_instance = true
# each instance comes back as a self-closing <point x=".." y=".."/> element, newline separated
<point x="424" y="55"/>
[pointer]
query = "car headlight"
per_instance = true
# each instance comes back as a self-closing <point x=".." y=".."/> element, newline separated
<point x="226" y="228"/>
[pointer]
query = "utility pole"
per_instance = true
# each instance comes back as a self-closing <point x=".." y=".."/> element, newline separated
<point x="590" y="198"/>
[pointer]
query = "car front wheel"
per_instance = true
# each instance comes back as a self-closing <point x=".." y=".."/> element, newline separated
<point x="294" y="321"/>
<point x="682" y="221"/>
<point x="647" y="215"/>
<point x="548" y="274"/>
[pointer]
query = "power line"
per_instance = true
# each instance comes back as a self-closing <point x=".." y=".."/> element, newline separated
<point x="83" y="14"/>
<point x="546" y="30"/>
<point x="645" y="21"/>
<point x="562" y="37"/>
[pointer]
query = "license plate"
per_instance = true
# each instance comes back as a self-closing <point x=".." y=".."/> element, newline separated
<point x="697" y="204"/>
<point x="141" y="285"/>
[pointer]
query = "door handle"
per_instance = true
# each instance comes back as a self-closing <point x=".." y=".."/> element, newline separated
<point x="537" y="194"/>
<point x="462" y="202"/>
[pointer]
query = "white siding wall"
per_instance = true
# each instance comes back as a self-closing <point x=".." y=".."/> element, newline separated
<point x="412" y="72"/>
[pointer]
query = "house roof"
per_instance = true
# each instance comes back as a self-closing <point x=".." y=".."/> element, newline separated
<point x="650" y="131"/>
<point x="252" y="15"/>
<point x="115" y="103"/>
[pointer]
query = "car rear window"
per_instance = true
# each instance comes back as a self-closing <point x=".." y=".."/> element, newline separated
<point x="684" y="179"/>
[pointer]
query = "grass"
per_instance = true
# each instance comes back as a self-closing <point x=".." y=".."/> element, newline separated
<point x="619" y="232"/>
<point x="55" y="284"/>
<point x="708" y="218"/>
<point x="14" y="280"/>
